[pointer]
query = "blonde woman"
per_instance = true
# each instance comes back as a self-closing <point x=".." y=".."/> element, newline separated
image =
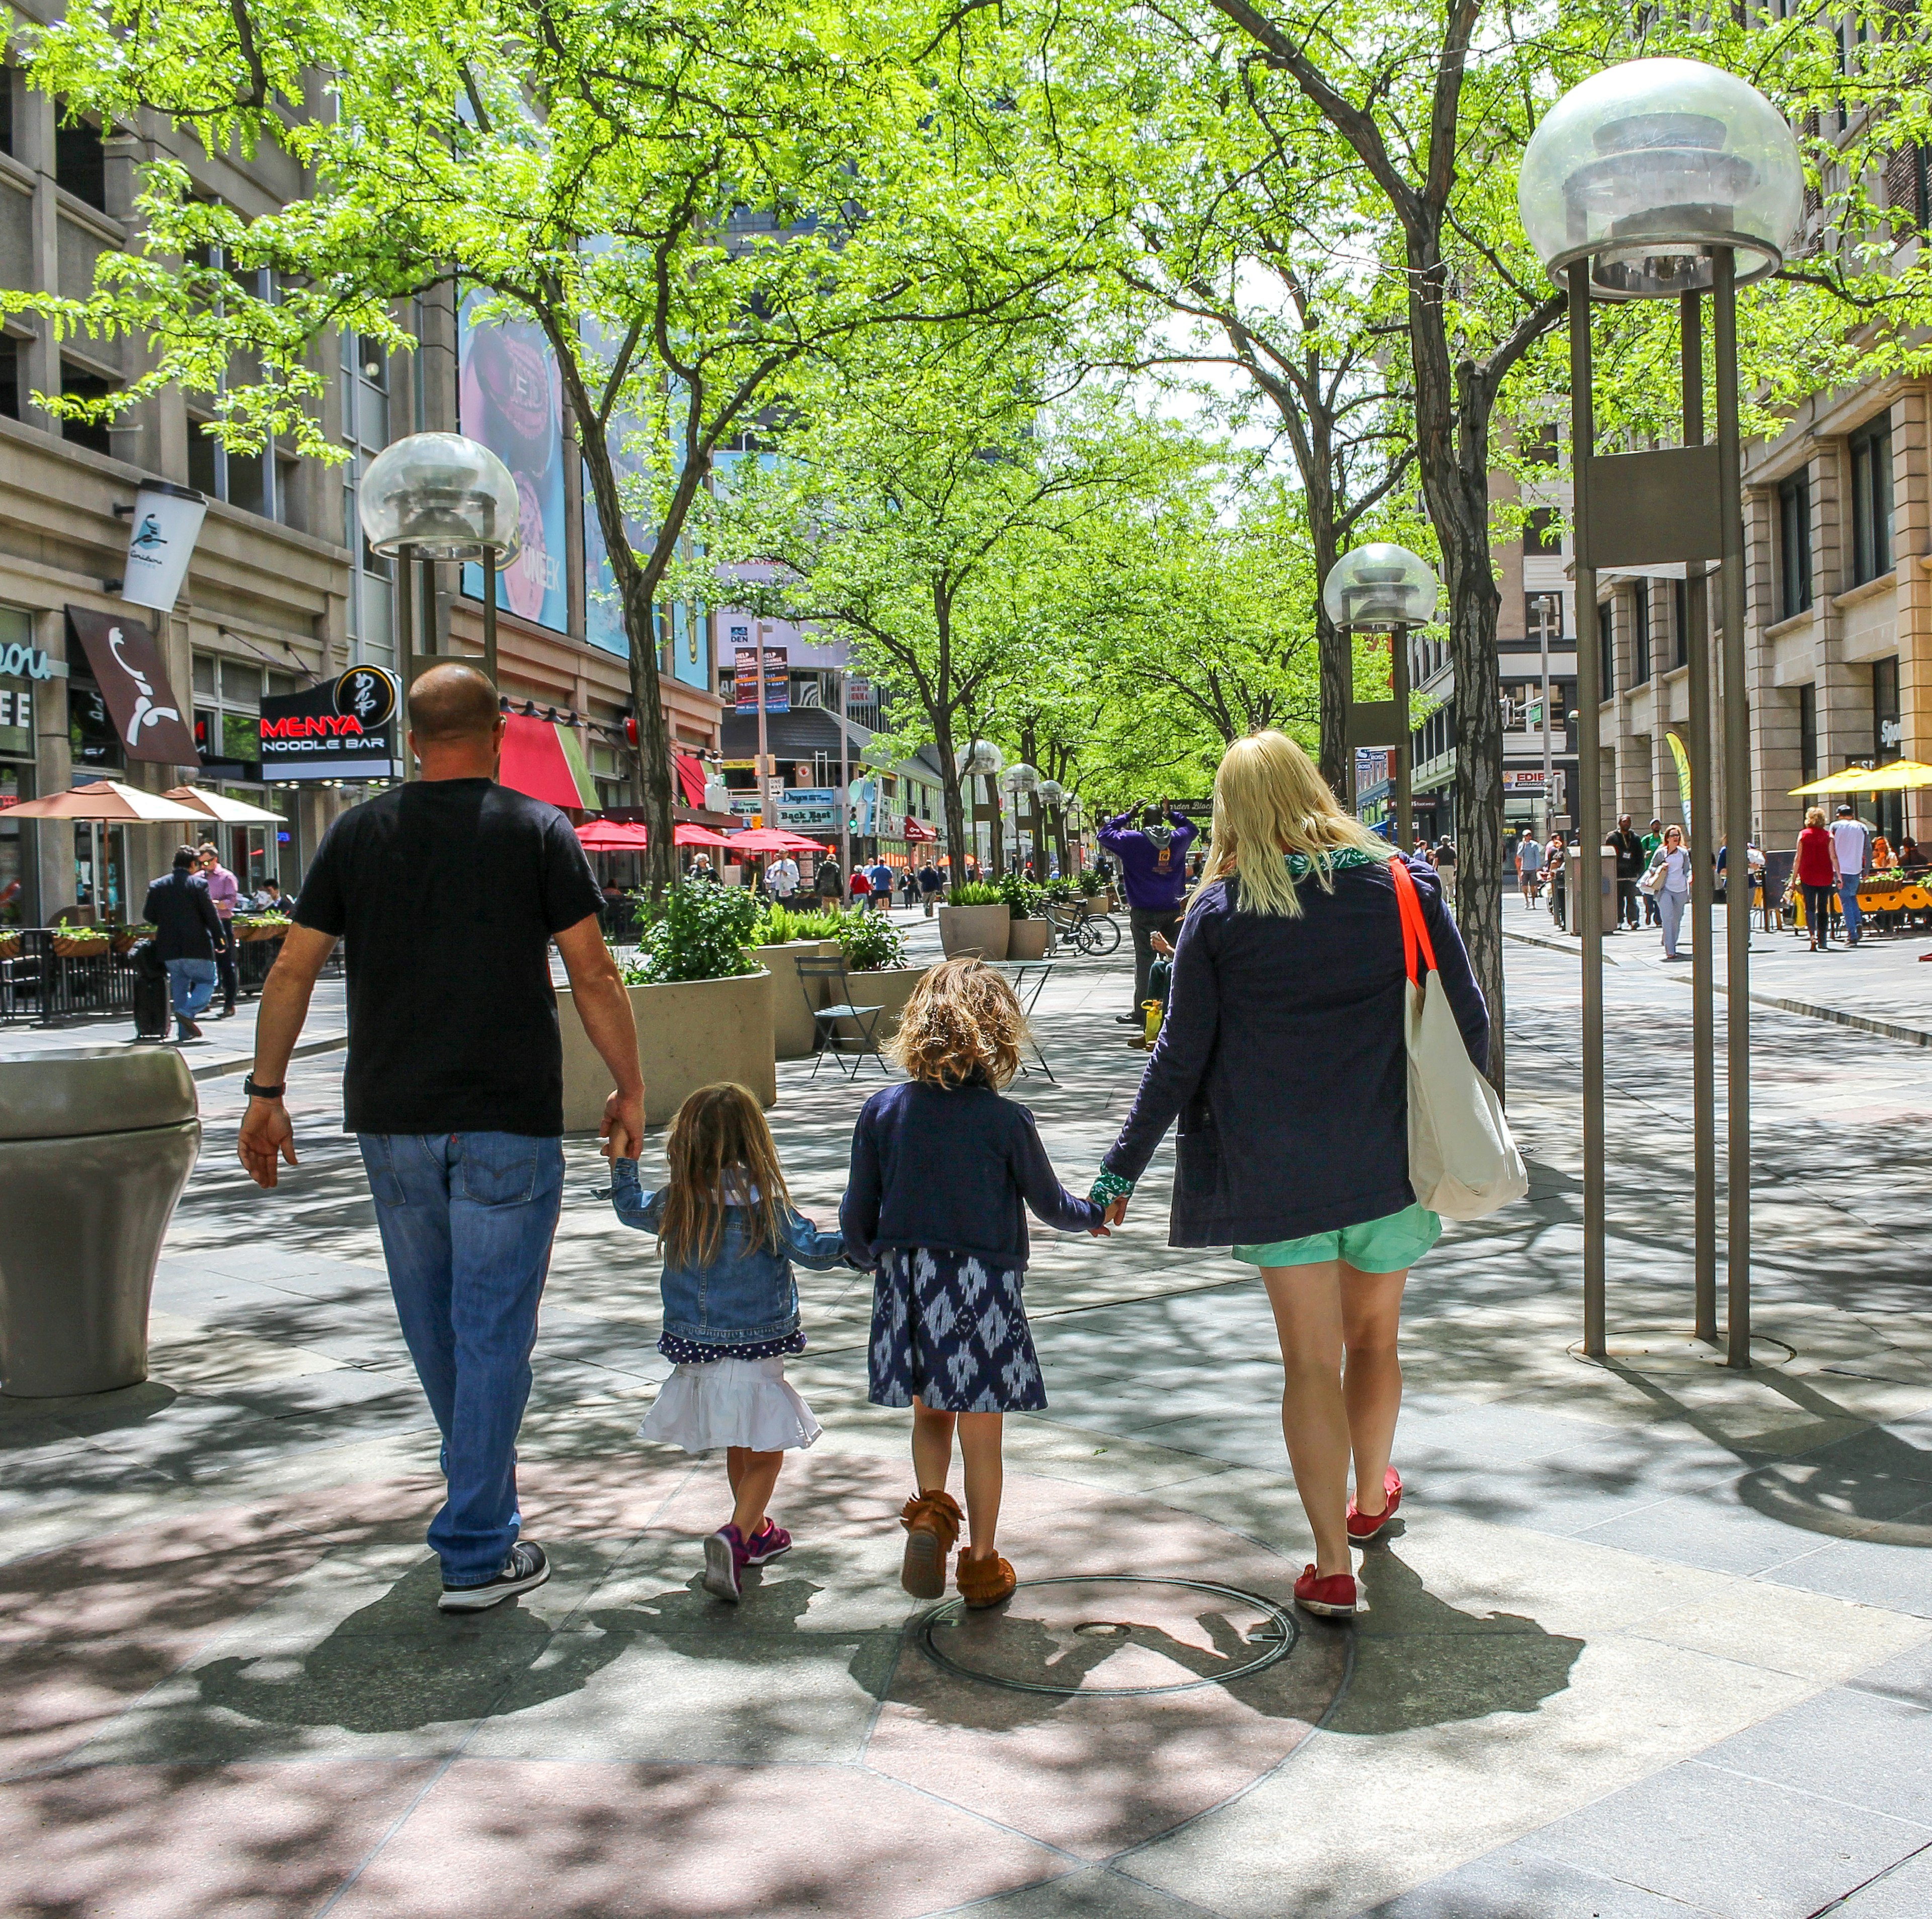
<point x="1283" y="1057"/>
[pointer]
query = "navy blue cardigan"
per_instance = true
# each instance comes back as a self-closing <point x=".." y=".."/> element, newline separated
<point x="1283" y="1057"/>
<point x="932" y="1167"/>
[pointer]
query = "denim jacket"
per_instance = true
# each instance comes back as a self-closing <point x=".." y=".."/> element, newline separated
<point x="746" y="1294"/>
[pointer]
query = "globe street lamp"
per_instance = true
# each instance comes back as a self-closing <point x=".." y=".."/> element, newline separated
<point x="981" y="759"/>
<point x="1662" y="179"/>
<point x="1383" y="588"/>
<point x="1022" y="782"/>
<point x="439" y="496"/>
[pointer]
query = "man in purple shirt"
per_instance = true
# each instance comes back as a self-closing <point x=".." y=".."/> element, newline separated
<point x="223" y="890"/>
<point x="1153" y="859"/>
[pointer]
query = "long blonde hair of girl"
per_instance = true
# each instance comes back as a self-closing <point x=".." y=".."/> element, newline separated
<point x="1269" y="802"/>
<point x="720" y="1150"/>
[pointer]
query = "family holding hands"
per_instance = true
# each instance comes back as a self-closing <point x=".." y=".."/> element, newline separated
<point x="1284" y="1056"/>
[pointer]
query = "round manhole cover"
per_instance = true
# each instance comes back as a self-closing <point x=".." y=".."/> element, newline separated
<point x="1109" y="1634"/>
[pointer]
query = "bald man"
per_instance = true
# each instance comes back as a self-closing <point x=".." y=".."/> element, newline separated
<point x="449" y="891"/>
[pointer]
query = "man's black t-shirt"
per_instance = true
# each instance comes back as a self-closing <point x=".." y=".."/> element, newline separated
<point x="448" y="892"/>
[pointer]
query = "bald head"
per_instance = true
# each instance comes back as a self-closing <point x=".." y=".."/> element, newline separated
<point x="452" y="704"/>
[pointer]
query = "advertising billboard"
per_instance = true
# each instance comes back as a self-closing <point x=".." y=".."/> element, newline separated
<point x="778" y="679"/>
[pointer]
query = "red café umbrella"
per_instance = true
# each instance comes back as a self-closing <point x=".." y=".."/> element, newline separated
<point x="629" y="836"/>
<point x="768" y="839"/>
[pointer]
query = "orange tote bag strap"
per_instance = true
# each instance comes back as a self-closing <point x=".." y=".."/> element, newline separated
<point x="1414" y="934"/>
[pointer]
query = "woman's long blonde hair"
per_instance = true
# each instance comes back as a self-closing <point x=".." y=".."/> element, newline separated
<point x="1269" y="802"/>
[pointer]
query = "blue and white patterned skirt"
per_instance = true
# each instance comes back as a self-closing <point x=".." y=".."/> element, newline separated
<point x="952" y="1328"/>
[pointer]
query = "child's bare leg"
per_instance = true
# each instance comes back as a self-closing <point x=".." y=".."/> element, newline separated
<point x="931" y="1447"/>
<point x="753" y="1475"/>
<point x="979" y="1438"/>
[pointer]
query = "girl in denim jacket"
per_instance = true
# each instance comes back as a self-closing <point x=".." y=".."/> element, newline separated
<point x="729" y="1235"/>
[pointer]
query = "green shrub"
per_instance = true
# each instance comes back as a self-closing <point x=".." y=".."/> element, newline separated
<point x="778" y="925"/>
<point x="1061" y="889"/>
<point x="1026" y="898"/>
<point x="975" y="892"/>
<point x="1093" y="883"/>
<point x="870" y="942"/>
<point x="702" y="935"/>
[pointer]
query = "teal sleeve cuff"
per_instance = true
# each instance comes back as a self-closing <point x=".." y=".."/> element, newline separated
<point x="1108" y="1187"/>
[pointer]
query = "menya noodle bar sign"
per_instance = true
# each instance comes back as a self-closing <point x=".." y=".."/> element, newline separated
<point x="343" y="729"/>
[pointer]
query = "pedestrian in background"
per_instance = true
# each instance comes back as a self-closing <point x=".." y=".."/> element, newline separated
<point x="782" y="877"/>
<point x="862" y="886"/>
<point x="1629" y="850"/>
<point x="1153" y="859"/>
<point x="187" y="933"/>
<point x="1443" y="859"/>
<point x="829" y="883"/>
<point x="1529" y="866"/>
<point x="224" y="889"/>
<point x="1283" y="1046"/>
<point x="1650" y="842"/>
<point x="449" y="890"/>
<point x="1671" y="859"/>
<point x="1817" y="869"/>
<point x="931" y="885"/>
<point x="1852" y="844"/>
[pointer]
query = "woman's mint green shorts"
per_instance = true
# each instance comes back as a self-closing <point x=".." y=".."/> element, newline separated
<point x="1388" y="1245"/>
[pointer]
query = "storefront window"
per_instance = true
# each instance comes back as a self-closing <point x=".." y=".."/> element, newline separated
<point x="91" y="734"/>
<point x="227" y="717"/>
<point x="100" y="872"/>
<point x="16" y="783"/>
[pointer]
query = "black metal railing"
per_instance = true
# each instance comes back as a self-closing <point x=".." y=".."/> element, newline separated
<point x="42" y="986"/>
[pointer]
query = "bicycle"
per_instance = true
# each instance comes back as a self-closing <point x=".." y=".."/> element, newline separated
<point x="1093" y="934"/>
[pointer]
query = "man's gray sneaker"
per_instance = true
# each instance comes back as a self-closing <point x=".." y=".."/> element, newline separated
<point x="526" y="1567"/>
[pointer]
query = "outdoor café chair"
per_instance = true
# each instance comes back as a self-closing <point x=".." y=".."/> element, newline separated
<point x="826" y="1037"/>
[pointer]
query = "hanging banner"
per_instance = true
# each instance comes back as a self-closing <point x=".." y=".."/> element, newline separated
<point x="1683" y="760"/>
<point x="345" y="729"/>
<point x="167" y="522"/>
<point x="777" y="680"/>
<point x="134" y="685"/>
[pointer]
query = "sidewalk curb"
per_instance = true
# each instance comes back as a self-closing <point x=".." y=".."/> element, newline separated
<point x="223" y="1069"/>
<point x="1911" y="1035"/>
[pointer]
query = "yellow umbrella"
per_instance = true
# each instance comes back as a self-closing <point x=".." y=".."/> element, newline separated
<point x="1898" y="776"/>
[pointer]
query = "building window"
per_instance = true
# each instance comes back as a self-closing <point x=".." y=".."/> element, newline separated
<point x="76" y="384"/>
<point x="227" y="716"/>
<point x="1539" y="608"/>
<point x="1606" y="653"/>
<point x="7" y="111"/>
<point x="1807" y="733"/>
<point x="1871" y="501"/>
<point x="1542" y="531"/>
<point x="80" y="158"/>
<point x="1639" y="632"/>
<point x="1680" y="620"/>
<point x="10" y="379"/>
<point x="1794" y="546"/>
<point x="1888" y="734"/>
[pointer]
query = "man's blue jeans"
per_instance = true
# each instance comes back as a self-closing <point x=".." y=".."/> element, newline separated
<point x="191" y="985"/>
<point x="466" y="1221"/>
<point x="1848" y="899"/>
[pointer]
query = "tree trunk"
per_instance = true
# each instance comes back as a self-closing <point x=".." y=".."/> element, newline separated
<point x="941" y="721"/>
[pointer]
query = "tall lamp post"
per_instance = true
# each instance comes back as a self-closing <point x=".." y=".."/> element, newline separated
<point x="1667" y="179"/>
<point x="1021" y="781"/>
<point x="1384" y="588"/>
<point x="435" y="497"/>
<point x="980" y="760"/>
<point x="1053" y="818"/>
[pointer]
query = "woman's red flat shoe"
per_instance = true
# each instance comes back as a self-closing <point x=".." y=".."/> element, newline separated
<point x="1332" y="1596"/>
<point x="1366" y="1525"/>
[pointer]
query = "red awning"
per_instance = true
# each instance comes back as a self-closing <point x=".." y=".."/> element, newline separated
<point x="540" y="761"/>
<point x="691" y="777"/>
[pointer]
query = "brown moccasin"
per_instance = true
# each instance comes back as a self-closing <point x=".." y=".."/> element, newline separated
<point x="986" y="1582"/>
<point x="931" y="1520"/>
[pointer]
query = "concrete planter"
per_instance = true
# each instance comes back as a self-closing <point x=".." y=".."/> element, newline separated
<point x="890" y="989"/>
<point x="1028" y="940"/>
<point x="978" y="931"/>
<point x="791" y="1022"/>
<point x="691" y="1033"/>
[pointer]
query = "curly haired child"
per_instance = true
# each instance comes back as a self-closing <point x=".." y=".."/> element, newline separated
<point x="943" y="1170"/>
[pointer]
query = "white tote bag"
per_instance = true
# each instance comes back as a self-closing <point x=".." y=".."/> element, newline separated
<point x="1463" y="1161"/>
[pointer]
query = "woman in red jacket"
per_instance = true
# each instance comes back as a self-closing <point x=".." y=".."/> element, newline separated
<point x="1818" y="875"/>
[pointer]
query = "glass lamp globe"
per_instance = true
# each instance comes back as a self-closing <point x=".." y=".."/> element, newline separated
<point x="982" y="757"/>
<point x="1020" y="778"/>
<point x="1646" y="167"/>
<point x="1051" y="793"/>
<point x="445" y="496"/>
<point x="1380" y="585"/>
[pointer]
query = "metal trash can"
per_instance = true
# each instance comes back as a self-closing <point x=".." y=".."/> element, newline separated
<point x="96" y="1144"/>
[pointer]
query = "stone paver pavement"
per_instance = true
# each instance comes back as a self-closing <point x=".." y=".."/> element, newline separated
<point x="1651" y="1639"/>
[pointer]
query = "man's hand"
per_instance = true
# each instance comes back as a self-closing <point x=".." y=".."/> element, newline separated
<point x="267" y="1134"/>
<point x="623" y="1127"/>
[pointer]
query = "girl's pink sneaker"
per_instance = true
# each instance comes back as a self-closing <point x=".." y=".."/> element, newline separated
<point x="767" y="1543"/>
<point x="1332" y="1595"/>
<point x="1366" y="1525"/>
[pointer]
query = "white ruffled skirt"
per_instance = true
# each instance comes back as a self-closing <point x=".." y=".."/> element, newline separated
<point x="730" y="1402"/>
